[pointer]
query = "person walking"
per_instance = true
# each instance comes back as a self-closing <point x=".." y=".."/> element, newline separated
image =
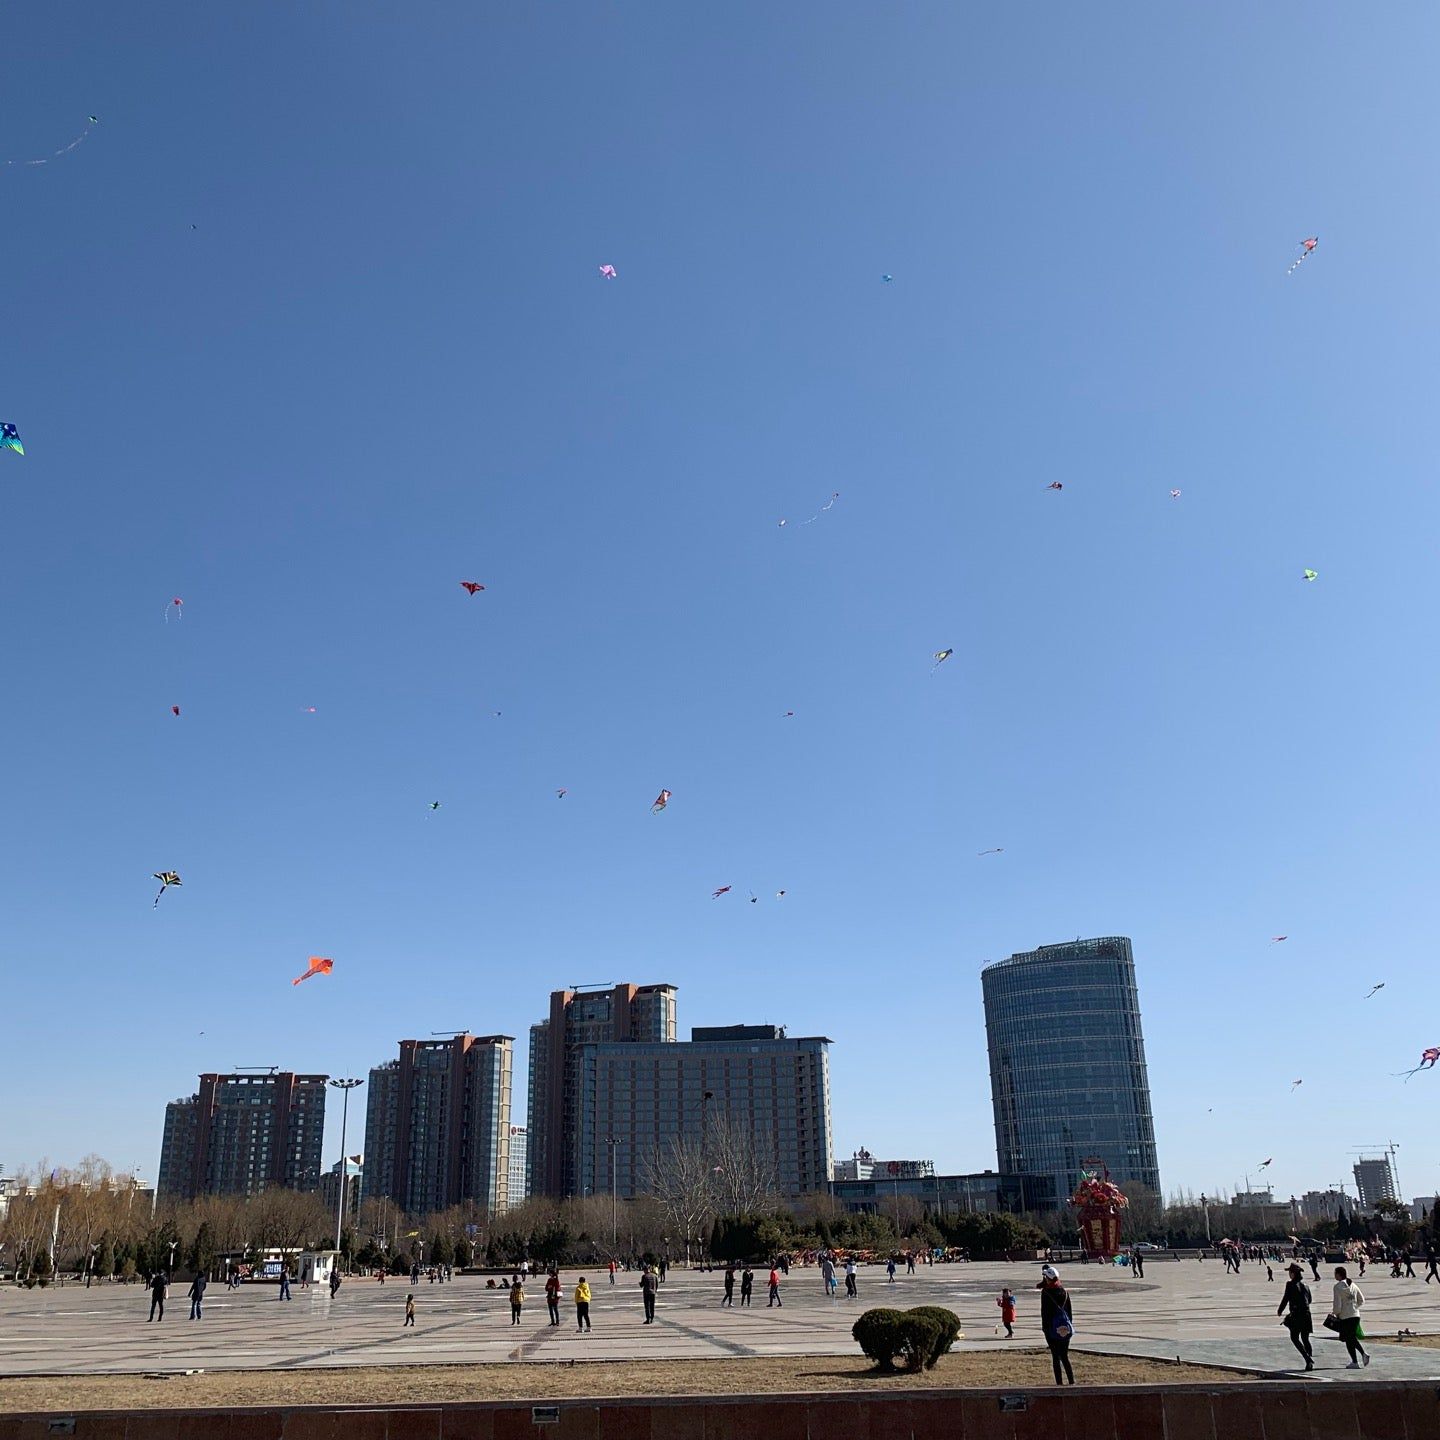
<point x="1431" y="1259"/>
<point x="334" y="1282"/>
<point x="409" y="1311"/>
<point x="1408" y="1256"/>
<point x="517" y="1300"/>
<point x="1296" y="1300"/>
<point x="612" y="1271"/>
<point x="852" y="1291"/>
<point x="890" y="1269"/>
<point x="1137" y="1263"/>
<point x="552" y="1295"/>
<point x="197" y="1295"/>
<point x="775" y="1289"/>
<point x="1345" y="1304"/>
<point x="159" y="1287"/>
<point x="582" y="1306"/>
<point x="827" y="1274"/>
<point x="729" y="1298"/>
<point x="649" y="1284"/>
<point x="909" y="1262"/>
<point x="747" y="1286"/>
<point x="1314" y="1258"/>
<point x="1006" y="1302"/>
<point x="284" y="1282"/>
<point x="1056" y="1321"/>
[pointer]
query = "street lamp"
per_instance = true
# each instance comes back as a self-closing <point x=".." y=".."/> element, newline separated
<point x="614" y="1145"/>
<point x="345" y="1087"/>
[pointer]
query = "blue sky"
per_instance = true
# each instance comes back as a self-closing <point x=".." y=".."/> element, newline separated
<point x="383" y="362"/>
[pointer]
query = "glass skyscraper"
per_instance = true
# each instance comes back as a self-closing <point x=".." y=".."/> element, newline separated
<point x="1067" y="1068"/>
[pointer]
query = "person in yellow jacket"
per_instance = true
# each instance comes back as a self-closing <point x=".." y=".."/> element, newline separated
<point x="582" y="1305"/>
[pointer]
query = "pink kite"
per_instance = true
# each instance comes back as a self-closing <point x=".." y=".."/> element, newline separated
<point x="1307" y="249"/>
<point x="1427" y="1061"/>
<point x="319" y="965"/>
<point x="608" y="271"/>
<point x="723" y="890"/>
<point x="661" y="801"/>
<point x="470" y="586"/>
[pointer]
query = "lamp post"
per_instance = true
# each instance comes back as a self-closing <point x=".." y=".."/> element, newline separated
<point x="614" y="1145"/>
<point x="345" y="1087"/>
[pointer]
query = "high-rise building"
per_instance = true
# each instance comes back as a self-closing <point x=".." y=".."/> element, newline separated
<point x="747" y="1089"/>
<point x="616" y="1014"/>
<point x="354" y="1174"/>
<point x="240" y="1134"/>
<point x="1322" y="1204"/>
<point x="1375" y="1181"/>
<point x="437" y="1124"/>
<point x="519" y="1165"/>
<point x="1067" y="1068"/>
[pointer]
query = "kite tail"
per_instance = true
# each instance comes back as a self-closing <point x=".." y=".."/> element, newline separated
<point x="64" y="149"/>
<point x="1299" y="262"/>
<point x="157" y="898"/>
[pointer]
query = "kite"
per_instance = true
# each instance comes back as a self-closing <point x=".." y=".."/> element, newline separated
<point x="178" y="606"/>
<point x="754" y="898"/>
<point x="998" y="850"/>
<point x="319" y="965"/>
<point x="941" y="656"/>
<point x="788" y="715"/>
<point x="91" y="122"/>
<point x="1307" y="249"/>
<point x="1294" y="1083"/>
<point x="1174" y="494"/>
<point x="470" y="586"/>
<point x="174" y="709"/>
<point x="834" y="496"/>
<point x="1276" y="939"/>
<point x="723" y="890"/>
<point x="1427" y="1061"/>
<point x="307" y="709"/>
<point x="434" y="804"/>
<point x="661" y="801"/>
<point x="1264" y="1163"/>
<point x="779" y="894"/>
<point x="167" y="878"/>
<point x="1374" y="988"/>
<point x="561" y="794"/>
<point x="887" y="278"/>
<point x="608" y="272"/>
<point x="1054" y="485"/>
<point x="1312" y="574"/>
<point x="10" y="437"/>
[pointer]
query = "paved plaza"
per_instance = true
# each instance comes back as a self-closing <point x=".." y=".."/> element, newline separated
<point x="1194" y="1311"/>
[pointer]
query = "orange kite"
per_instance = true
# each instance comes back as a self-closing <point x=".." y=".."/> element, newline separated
<point x="319" y="965"/>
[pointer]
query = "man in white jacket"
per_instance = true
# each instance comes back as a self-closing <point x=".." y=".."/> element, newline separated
<point x="1345" y="1307"/>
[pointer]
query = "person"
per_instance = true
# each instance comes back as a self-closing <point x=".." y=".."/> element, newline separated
<point x="1006" y="1302"/>
<point x="852" y="1291"/>
<point x="1408" y="1256"/>
<point x="517" y="1300"/>
<point x="1056" y="1321"/>
<point x="197" y="1295"/>
<point x="1315" y="1264"/>
<point x="1431" y="1259"/>
<point x="890" y="1269"/>
<point x="664" y="1268"/>
<point x="612" y="1271"/>
<point x="827" y="1274"/>
<point x="729" y="1298"/>
<point x="552" y="1295"/>
<point x="1137" y="1263"/>
<point x="649" y="1283"/>
<point x="1345" y="1304"/>
<point x="334" y="1281"/>
<point x="284" y="1282"/>
<point x="582" y="1306"/>
<point x="1296" y="1300"/>
<point x="409" y="1310"/>
<point x="775" y="1289"/>
<point x="909" y="1262"/>
<point x="747" y="1285"/>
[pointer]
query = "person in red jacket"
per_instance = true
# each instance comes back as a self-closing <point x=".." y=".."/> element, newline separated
<point x="775" y="1289"/>
<point x="1006" y="1302"/>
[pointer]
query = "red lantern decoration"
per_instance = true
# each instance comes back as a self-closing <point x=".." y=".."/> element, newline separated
<point x="1098" y="1203"/>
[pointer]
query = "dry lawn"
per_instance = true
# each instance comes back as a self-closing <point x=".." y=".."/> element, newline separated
<point x="428" y="1384"/>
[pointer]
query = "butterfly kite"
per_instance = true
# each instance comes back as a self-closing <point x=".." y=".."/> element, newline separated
<point x="319" y="965"/>
<point x="608" y="272"/>
<point x="1307" y="249"/>
<point x="471" y="586"/>
<point x="1312" y="574"/>
<point x="1374" y="988"/>
<point x="723" y="890"/>
<point x="1427" y="1061"/>
<point x="661" y="801"/>
<point x="1174" y="494"/>
<point x="91" y="122"/>
<point x="941" y="656"/>
<point x="167" y="878"/>
<point x="10" y="437"/>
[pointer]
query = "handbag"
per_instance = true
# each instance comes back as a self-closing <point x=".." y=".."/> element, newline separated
<point x="1330" y="1323"/>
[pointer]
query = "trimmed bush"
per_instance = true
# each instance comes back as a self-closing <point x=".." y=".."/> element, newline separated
<point x="919" y="1337"/>
<point x="877" y="1332"/>
<point x="948" y="1330"/>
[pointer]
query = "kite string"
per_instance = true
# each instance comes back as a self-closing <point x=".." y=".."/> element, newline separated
<point x="64" y="149"/>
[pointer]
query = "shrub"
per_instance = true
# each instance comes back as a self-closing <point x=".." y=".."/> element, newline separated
<point x="948" y="1330"/>
<point x="877" y="1332"/>
<point x="919" y="1338"/>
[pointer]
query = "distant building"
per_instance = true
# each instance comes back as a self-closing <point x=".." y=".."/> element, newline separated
<point x="945" y="1196"/>
<point x="330" y="1188"/>
<point x="244" y="1133"/>
<point x="1422" y="1208"/>
<point x="765" y="1092"/>
<point x="1322" y="1204"/>
<point x="1253" y="1211"/>
<point x="637" y="1014"/>
<point x="862" y="1165"/>
<point x="437" y="1124"/>
<point x="1067" y="1065"/>
<point x="1375" y="1181"/>
<point x="519" y="1165"/>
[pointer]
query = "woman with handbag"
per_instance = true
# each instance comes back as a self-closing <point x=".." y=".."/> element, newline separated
<point x="1345" y="1310"/>
<point x="1056" y="1322"/>
<point x="1297" y="1300"/>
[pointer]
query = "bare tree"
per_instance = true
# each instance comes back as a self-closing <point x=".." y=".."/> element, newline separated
<point x="678" y="1175"/>
<point x="744" y="1175"/>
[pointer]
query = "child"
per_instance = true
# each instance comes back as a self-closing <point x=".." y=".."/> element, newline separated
<point x="517" y="1299"/>
<point x="409" y="1311"/>
<point x="1006" y="1302"/>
